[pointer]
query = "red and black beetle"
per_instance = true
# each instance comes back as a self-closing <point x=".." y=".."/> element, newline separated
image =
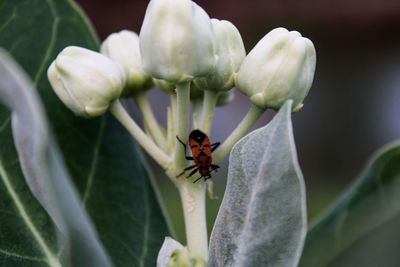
<point x="201" y="152"/>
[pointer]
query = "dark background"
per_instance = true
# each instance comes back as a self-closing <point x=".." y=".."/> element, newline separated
<point x="352" y="109"/>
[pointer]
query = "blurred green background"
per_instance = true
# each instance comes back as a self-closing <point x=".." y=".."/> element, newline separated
<point x="353" y="107"/>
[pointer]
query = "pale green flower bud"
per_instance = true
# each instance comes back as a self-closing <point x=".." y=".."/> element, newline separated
<point x="165" y="86"/>
<point x="280" y="67"/>
<point x="230" y="54"/>
<point x="85" y="81"/>
<point x="176" y="40"/>
<point x="123" y="48"/>
<point x="195" y="92"/>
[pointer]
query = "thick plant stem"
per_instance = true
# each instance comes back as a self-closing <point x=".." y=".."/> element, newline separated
<point x="194" y="210"/>
<point x="183" y="102"/>
<point x="192" y="195"/>
<point x="146" y="142"/>
<point x="197" y="105"/>
<point x="170" y="131"/>
<point x="172" y="122"/>
<point x="150" y="120"/>
<point x="210" y="99"/>
<point x="251" y="117"/>
<point x="174" y="109"/>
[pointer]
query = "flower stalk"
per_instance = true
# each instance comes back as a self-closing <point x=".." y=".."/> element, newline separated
<point x="251" y="117"/>
<point x="150" y="121"/>
<point x="182" y="128"/>
<point x="119" y="112"/>
<point x="210" y="99"/>
<point x="194" y="210"/>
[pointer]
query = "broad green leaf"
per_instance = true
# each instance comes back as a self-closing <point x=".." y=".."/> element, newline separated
<point x="372" y="200"/>
<point x="262" y="219"/>
<point x="46" y="176"/>
<point x="101" y="156"/>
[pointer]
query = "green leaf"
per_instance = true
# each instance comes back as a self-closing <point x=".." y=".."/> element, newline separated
<point x="101" y="156"/>
<point x="371" y="201"/>
<point x="46" y="176"/>
<point x="262" y="219"/>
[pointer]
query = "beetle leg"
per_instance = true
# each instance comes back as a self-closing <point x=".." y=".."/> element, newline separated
<point x="198" y="179"/>
<point x="184" y="145"/>
<point x="186" y="169"/>
<point x="187" y="157"/>
<point x="214" y="167"/>
<point x="193" y="172"/>
<point x="214" y="146"/>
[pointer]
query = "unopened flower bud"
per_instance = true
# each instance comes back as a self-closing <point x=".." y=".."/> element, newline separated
<point x="195" y="92"/>
<point x="85" y="81"/>
<point x="165" y="86"/>
<point x="225" y="97"/>
<point x="176" y="40"/>
<point x="230" y="54"/>
<point x="280" y="67"/>
<point x="123" y="48"/>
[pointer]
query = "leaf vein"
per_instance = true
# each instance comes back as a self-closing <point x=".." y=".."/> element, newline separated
<point x="94" y="163"/>
<point x="52" y="260"/>
<point x="8" y="21"/>
<point x="50" y="47"/>
<point x="124" y="245"/>
<point x="146" y="226"/>
<point x="5" y="123"/>
<point x="24" y="257"/>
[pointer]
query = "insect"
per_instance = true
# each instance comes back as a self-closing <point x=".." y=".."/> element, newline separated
<point x="201" y="151"/>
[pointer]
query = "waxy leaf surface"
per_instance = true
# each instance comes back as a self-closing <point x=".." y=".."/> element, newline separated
<point x="262" y="219"/>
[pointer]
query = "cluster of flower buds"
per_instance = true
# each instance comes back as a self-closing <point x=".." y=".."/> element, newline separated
<point x="189" y="56"/>
<point x="179" y="42"/>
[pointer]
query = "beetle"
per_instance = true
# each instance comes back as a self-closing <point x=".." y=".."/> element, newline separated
<point x="201" y="151"/>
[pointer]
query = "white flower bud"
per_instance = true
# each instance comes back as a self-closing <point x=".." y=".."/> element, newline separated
<point x="165" y="86"/>
<point x="195" y="92"/>
<point x="176" y="40"/>
<point x="123" y="48"/>
<point x="230" y="54"/>
<point x="85" y="81"/>
<point x="280" y="67"/>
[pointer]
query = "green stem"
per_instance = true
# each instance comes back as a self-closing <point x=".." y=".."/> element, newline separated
<point x="192" y="195"/>
<point x="251" y="117"/>
<point x="194" y="210"/>
<point x="170" y="131"/>
<point x="210" y="99"/>
<point x="146" y="142"/>
<point x="197" y="106"/>
<point x="173" y="122"/>
<point x="150" y="121"/>
<point x="183" y="110"/>
<point x="174" y="108"/>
